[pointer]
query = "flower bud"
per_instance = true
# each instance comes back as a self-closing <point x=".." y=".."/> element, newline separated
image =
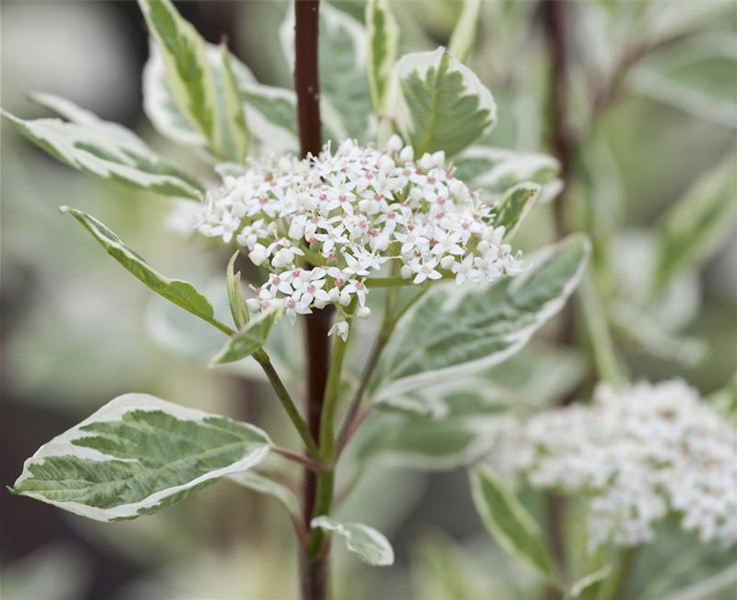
<point x="405" y="272"/>
<point x="427" y="162"/>
<point x="333" y="294"/>
<point x="345" y="298"/>
<point x="447" y="262"/>
<point x="253" y="304"/>
<point x="258" y="254"/>
<point x="483" y="247"/>
<point x="438" y="159"/>
<point x="394" y="144"/>
<point x="363" y="312"/>
<point x="407" y="154"/>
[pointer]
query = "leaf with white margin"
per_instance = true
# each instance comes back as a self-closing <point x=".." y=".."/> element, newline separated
<point x="590" y="586"/>
<point x="263" y="485"/>
<point x="464" y="33"/>
<point x="187" y="70"/>
<point x="181" y="293"/>
<point x="496" y="170"/>
<point x="383" y="42"/>
<point x="695" y="76"/>
<point x="369" y="544"/>
<point x="235" y="135"/>
<point x="437" y="103"/>
<point x="458" y="428"/>
<point x="458" y="330"/>
<point x="514" y="206"/>
<point x="105" y="150"/>
<point x="343" y="45"/>
<point x="509" y="522"/>
<point x="167" y="116"/>
<point x="698" y="223"/>
<point x="272" y="117"/>
<point x="137" y="455"/>
<point x="250" y="339"/>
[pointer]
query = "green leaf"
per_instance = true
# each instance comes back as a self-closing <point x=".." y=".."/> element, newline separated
<point x="248" y="340"/>
<point x="443" y="427"/>
<point x="370" y="545"/>
<point x="464" y="34"/>
<point x="170" y="120"/>
<point x="187" y="69"/>
<point x="439" y="104"/>
<point x="236" y="137"/>
<point x="104" y="149"/>
<point x="383" y="42"/>
<point x="695" y="76"/>
<point x="235" y="294"/>
<point x="137" y="455"/>
<point x="725" y="399"/>
<point x="497" y="170"/>
<point x="589" y="587"/>
<point x="343" y="79"/>
<point x="179" y="292"/>
<point x="272" y="117"/>
<point x="514" y="206"/>
<point x="509" y="523"/>
<point x="263" y="485"/>
<point x="457" y="330"/>
<point x="698" y="223"/>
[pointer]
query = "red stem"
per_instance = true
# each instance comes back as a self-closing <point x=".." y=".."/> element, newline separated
<point x="317" y="324"/>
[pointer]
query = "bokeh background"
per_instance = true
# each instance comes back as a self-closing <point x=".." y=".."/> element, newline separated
<point x="78" y="331"/>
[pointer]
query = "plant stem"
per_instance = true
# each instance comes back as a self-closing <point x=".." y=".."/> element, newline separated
<point x="286" y="401"/>
<point x="621" y="577"/>
<point x="555" y="18"/>
<point x="305" y="461"/>
<point x="307" y="87"/>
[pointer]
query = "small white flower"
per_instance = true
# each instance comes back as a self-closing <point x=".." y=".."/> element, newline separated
<point x="341" y="328"/>
<point x="258" y="254"/>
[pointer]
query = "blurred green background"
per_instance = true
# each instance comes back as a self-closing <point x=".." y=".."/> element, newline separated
<point x="78" y="331"/>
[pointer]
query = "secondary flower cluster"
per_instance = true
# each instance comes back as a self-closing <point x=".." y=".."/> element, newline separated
<point x="350" y="213"/>
<point x="639" y="454"/>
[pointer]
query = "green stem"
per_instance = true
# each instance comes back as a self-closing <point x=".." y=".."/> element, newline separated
<point x="286" y="401"/>
<point x="619" y="583"/>
<point x="377" y="282"/>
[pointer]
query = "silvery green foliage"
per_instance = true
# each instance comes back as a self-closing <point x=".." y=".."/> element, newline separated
<point x="137" y="455"/>
<point x="364" y="541"/>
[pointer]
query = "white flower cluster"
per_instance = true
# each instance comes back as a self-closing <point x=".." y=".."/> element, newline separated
<point x="348" y="213"/>
<point x="639" y="454"/>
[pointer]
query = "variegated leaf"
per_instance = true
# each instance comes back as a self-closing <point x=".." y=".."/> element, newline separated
<point x="137" y="455"/>
<point x="383" y="41"/>
<point x="162" y="108"/>
<point x="698" y="223"/>
<point x="457" y="330"/>
<point x="695" y="76"/>
<point x="179" y="292"/>
<point x="496" y="170"/>
<point x="188" y="73"/>
<point x="514" y="206"/>
<point x="263" y="485"/>
<point x="364" y="541"/>
<point x="464" y="34"/>
<point x="104" y="149"/>
<point x="251" y="338"/>
<point x="442" y="427"/>
<point x="343" y="79"/>
<point x="272" y="117"/>
<point x="437" y="103"/>
<point x="509" y="523"/>
<point x="235" y="135"/>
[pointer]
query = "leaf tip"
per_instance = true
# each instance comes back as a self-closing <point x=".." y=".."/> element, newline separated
<point x="64" y="209"/>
